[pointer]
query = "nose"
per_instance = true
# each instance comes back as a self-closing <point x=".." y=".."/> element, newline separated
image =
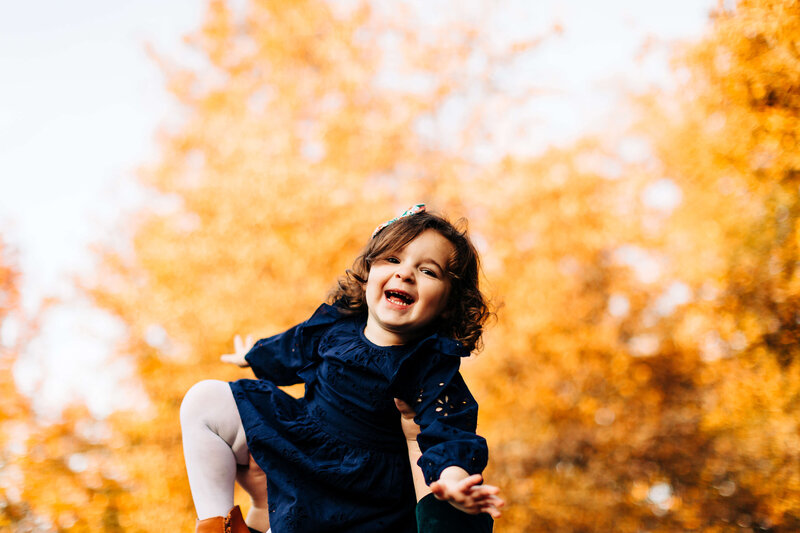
<point x="404" y="272"/>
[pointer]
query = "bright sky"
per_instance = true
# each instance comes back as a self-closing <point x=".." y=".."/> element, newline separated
<point x="80" y="102"/>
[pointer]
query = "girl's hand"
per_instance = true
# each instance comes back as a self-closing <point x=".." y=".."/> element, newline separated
<point x="466" y="494"/>
<point x="407" y="424"/>
<point x="240" y="350"/>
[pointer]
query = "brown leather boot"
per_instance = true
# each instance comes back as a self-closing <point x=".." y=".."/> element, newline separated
<point x="233" y="523"/>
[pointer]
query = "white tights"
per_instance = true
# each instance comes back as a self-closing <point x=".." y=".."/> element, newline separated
<point x="213" y="445"/>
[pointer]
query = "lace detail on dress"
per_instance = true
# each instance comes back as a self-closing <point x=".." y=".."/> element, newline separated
<point x="447" y="418"/>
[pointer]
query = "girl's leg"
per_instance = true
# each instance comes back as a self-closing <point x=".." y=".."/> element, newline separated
<point x="213" y="444"/>
<point x="253" y="480"/>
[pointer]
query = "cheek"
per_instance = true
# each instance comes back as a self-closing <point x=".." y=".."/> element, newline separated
<point x="446" y="297"/>
<point x="372" y="286"/>
<point x="439" y="296"/>
<point x="369" y="288"/>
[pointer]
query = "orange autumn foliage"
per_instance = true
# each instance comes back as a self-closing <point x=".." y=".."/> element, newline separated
<point x="54" y="475"/>
<point x="641" y="375"/>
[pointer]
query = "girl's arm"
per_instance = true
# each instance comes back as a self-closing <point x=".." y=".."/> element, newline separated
<point x="455" y="485"/>
<point x="411" y="430"/>
<point x="281" y="358"/>
<point x="448" y="416"/>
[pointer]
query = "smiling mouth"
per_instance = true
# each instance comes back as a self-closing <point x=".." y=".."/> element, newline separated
<point x="399" y="297"/>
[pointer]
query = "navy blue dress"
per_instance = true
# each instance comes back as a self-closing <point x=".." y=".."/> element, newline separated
<point x="336" y="459"/>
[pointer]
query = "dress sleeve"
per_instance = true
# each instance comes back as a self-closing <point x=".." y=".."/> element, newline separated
<point x="279" y="358"/>
<point x="448" y="415"/>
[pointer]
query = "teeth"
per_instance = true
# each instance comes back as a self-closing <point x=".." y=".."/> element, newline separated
<point x="399" y="298"/>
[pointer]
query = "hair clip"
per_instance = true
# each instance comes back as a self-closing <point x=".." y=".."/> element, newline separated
<point x="419" y="208"/>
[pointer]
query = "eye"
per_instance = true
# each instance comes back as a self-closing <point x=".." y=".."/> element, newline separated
<point x="392" y="260"/>
<point x="429" y="272"/>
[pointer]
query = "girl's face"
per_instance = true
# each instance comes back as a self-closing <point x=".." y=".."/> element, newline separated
<point x="408" y="289"/>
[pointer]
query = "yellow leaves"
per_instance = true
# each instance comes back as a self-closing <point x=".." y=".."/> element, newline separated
<point x="295" y="144"/>
<point x="217" y="31"/>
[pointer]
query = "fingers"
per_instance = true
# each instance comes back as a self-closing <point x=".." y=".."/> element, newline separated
<point x="438" y="490"/>
<point x="485" y="490"/>
<point x="470" y="497"/>
<point x="404" y="408"/>
<point x="236" y="359"/>
<point x="492" y="509"/>
<point x="489" y="504"/>
<point x="488" y="499"/>
<point x="238" y="345"/>
<point x="240" y="350"/>
<point x="467" y="483"/>
<point x="407" y="424"/>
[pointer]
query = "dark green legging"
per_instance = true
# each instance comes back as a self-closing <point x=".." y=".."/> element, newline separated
<point x="437" y="516"/>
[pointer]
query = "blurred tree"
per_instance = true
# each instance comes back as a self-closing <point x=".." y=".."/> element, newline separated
<point x="296" y="140"/>
<point x="641" y="376"/>
<point x="571" y="355"/>
<point x="651" y="323"/>
<point x="54" y="475"/>
<point x="14" y="409"/>
<point x="731" y="146"/>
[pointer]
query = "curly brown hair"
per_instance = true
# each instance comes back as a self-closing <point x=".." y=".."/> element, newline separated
<point x="468" y="308"/>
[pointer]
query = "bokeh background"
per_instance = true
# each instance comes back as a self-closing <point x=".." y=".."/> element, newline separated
<point x="630" y="173"/>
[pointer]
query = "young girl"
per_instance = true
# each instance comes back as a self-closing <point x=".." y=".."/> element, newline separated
<point x="336" y="459"/>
